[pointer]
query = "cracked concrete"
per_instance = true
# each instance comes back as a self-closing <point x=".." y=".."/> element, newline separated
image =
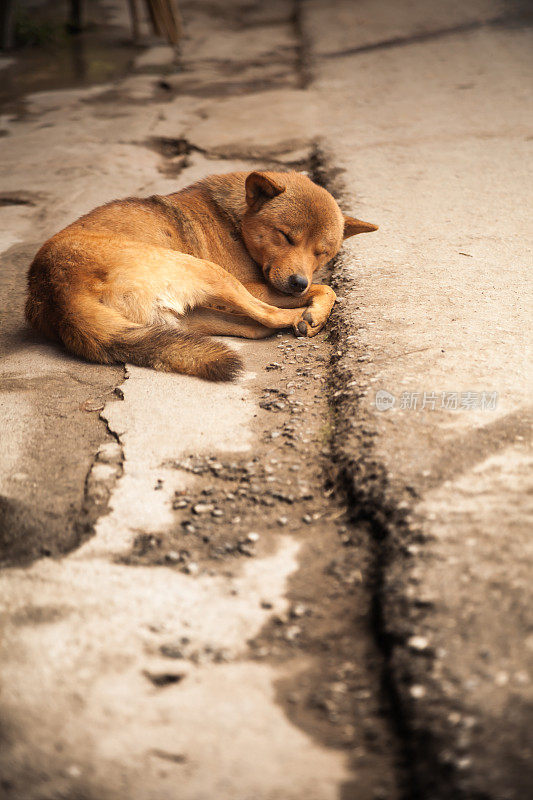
<point x="318" y="661"/>
<point x="94" y="715"/>
<point x="438" y="302"/>
<point x="101" y="720"/>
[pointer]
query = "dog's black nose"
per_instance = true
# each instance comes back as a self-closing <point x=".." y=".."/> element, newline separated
<point x="298" y="283"/>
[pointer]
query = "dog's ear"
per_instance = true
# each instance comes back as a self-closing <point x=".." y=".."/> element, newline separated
<point x="353" y="226"/>
<point x="260" y="187"/>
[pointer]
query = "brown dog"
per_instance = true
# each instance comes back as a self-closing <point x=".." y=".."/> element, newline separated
<point x="143" y="280"/>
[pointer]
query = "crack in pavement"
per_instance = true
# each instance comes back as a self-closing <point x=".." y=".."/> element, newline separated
<point x="302" y="65"/>
<point x="362" y="489"/>
<point x="176" y="152"/>
<point x="427" y="36"/>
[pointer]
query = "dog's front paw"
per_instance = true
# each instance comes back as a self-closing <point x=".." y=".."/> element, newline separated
<point x="309" y="324"/>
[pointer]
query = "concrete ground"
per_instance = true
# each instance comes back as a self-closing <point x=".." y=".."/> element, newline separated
<point x="313" y="583"/>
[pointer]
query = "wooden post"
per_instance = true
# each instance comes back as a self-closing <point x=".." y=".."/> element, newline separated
<point x="75" y="22"/>
<point x="134" y="13"/>
<point x="166" y="19"/>
<point x="7" y="9"/>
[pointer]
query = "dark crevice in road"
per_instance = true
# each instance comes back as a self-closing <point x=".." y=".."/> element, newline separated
<point x="426" y="36"/>
<point x="17" y="199"/>
<point x="176" y="155"/>
<point x="382" y="555"/>
<point x="361" y="482"/>
<point x="372" y="504"/>
<point x="302" y="66"/>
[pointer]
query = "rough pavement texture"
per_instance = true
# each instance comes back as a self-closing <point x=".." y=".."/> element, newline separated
<point x="213" y="638"/>
<point x="437" y="314"/>
<point x="369" y="643"/>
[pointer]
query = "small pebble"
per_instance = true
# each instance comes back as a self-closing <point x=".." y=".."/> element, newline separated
<point x="501" y="678"/>
<point x="338" y="687"/>
<point x="172" y="651"/>
<point x="292" y="632"/>
<point x="74" y="771"/>
<point x="298" y="610"/>
<point x="252" y="537"/>
<point x="202" y="508"/>
<point x="418" y="642"/>
<point x="188" y="527"/>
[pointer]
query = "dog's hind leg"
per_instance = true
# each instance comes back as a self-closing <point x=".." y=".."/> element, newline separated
<point x="225" y="293"/>
<point x="187" y="282"/>
<point x="218" y="323"/>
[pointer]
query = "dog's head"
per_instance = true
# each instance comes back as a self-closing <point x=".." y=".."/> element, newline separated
<point x="292" y="227"/>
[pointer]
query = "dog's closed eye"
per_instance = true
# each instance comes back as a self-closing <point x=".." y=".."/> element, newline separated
<point x="286" y="236"/>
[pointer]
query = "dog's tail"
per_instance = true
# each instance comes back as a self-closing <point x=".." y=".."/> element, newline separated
<point x="100" y="333"/>
<point x="167" y="348"/>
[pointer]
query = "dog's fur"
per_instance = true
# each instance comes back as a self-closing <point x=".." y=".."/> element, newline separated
<point x="144" y="280"/>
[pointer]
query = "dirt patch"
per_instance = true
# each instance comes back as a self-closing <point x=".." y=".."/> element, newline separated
<point x="238" y="503"/>
<point x="235" y="509"/>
